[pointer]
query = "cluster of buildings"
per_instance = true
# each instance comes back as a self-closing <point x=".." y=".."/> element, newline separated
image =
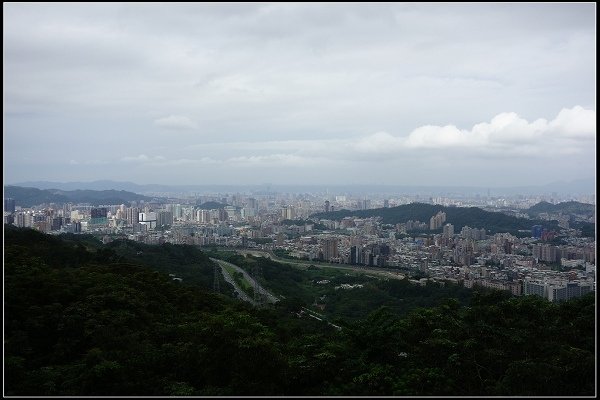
<point x="85" y="218"/>
<point x="282" y="223"/>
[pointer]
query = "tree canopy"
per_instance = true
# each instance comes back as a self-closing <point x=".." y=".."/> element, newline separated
<point x="84" y="319"/>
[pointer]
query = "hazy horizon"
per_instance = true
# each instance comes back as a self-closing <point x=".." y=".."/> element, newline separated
<point x="470" y="95"/>
<point x="573" y="188"/>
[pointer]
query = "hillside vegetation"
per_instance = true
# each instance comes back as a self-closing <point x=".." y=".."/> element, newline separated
<point x="302" y="287"/>
<point x="493" y="222"/>
<point x="83" y="319"/>
<point x="568" y="207"/>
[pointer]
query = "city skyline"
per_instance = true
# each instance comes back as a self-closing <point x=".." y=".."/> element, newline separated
<point x="436" y="94"/>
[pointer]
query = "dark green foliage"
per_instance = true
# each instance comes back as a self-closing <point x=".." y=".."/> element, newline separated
<point x="493" y="222"/>
<point x="183" y="261"/>
<point x="28" y="197"/>
<point x="397" y="295"/>
<point x="588" y="229"/>
<point x="346" y="305"/>
<point x="104" y="325"/>
<point x="567" y="207"/>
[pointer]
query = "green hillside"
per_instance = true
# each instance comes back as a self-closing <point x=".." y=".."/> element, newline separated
<point x="568" y="207"/>
<point x="80" y="319"/>
<point x="300" y="287"/>
<point x="458" y="216"/>
<point x="28" y="197"/>
<point x="184" y="261"/>
<point x="211" y="205"/>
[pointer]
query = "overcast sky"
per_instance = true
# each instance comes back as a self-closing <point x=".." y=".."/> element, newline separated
<point x="404" y="94"/>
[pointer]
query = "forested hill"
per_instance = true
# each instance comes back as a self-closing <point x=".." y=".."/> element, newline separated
<point x="85" y="319"/>
<point x="28" y="197"/>
<point x="568" y="207"/>
<point x="493" y="222"/>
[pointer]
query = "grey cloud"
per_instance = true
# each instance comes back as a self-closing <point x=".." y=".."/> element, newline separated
<point x="177" y="122"/>
<point x="506" y="136"/>
<point x="308" y="82"/>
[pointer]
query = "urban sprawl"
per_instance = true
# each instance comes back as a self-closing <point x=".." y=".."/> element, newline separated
<point x="282" y="224"/>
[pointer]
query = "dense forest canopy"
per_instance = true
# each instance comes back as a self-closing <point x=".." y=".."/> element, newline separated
<point x="82" y="319"/>
<point x="567" y="207"/>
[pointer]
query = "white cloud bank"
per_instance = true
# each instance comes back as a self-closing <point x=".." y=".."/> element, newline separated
<point x="507" y="135"/>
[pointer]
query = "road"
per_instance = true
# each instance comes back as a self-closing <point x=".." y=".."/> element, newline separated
<point x="241" y="294"/>
<point x="305" y="264"/>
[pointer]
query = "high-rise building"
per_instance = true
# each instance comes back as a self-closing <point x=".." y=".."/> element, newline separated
<point x="66" y="209"/>
<point x="355" y="255"/>
<point x="148" y="219"/>
<point x="545" y="252"/>
<point x="507" y="246"/>
<point x="288" y="212"/>
<point x="223" y="216"/>
<point x="205" y="216"/>
<point x="9" y="205"/>
<point x="56" y="223"/>
<point x="448" y="231"/>
<point x="326" y="205"/>
<point x="164" y="218"/>
<point x="437" y="220"/>
<point x="247" y="212"/>
<point x="365" y="204"/>
<point x="232" y="213"/>
<point x="535" y="287"/>
<point x="132" y="215"/>
<point x="252" y="203"/>
<point x="176" y="209"/>
<point x="330" y="249"/>
<point x="24" y="220"/>
<point x="99" y="216"/>
<point x="558" y="292"/>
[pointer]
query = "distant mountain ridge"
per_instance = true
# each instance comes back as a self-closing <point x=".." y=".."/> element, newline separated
<point x="94" y="185"/>
<point x="28" y="197"/>
<point x="580" y="186"/>
<point x="493" y="222"/>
